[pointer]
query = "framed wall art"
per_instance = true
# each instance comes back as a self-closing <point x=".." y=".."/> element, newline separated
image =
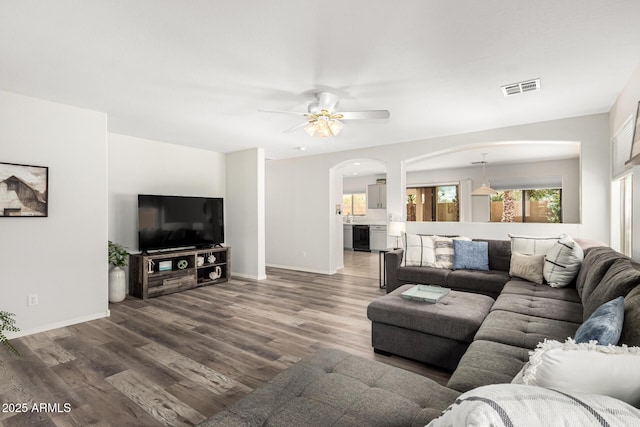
<point x="24" y="190"/>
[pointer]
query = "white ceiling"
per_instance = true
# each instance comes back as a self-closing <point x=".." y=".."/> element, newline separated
<point x="195" y="73"/>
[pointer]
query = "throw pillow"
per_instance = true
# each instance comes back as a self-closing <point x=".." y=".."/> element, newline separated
<point x="531" y="245"/>
<point x="469" y="255"/>
<point x="502" y="405"/>
<point x="586" y="367"/>
<point x="605" y="324"/>
<point x="562" y="262"/>
<point x="444" y="250"/>
<point x="528" y="267"/>
<point x="418" y="251"/>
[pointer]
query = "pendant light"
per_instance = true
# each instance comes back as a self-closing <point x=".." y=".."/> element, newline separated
<point x="484" y="189"/>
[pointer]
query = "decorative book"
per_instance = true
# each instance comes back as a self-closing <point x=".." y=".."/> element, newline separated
<point x="425" y="293"/>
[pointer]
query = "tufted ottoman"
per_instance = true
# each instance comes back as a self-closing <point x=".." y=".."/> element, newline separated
<point x="334" y="388"/>
<point x="437" y="334"/>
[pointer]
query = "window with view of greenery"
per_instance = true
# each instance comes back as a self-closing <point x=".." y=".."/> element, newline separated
<point x="354" y="204"/>
<point x="436" y="203"/>
<point x="538" y="205"/>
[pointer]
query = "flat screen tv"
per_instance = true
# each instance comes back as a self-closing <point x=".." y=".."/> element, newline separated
<point x="166" y="222"/>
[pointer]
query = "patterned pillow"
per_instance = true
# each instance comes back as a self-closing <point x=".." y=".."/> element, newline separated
<point x="562" y="262"/>
<point x="531" y="245"/>
<point x="444" y="250"/>
<point x="418" y="251"/>
<point x="502" y="405"/>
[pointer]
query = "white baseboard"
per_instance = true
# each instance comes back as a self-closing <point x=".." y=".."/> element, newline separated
<point x="306" y="270"/>
<point x="62" y="324"/>
<point x="249" y="276"/>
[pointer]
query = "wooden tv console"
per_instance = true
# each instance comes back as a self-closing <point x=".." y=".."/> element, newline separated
<point x="161" y="273"/>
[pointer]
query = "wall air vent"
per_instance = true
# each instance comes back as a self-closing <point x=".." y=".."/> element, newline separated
<point x="516" y="88"/>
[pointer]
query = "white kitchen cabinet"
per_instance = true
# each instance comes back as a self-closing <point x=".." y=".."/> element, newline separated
<point x="377" y="237"/>
<point x="377" y="196"/>
<point x="348" y="236"/>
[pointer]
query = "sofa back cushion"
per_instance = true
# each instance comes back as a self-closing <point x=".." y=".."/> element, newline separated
<point x="631" y="326"/>
<point x="594" y="266"/>
<point x="619" y="280"/>
<point x="499" y="254"/>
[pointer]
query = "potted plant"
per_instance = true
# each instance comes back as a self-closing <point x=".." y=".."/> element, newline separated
<point x="118" y="256"/>
<point x="7" y="323"/>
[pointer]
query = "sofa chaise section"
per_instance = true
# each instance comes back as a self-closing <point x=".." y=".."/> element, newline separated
<point x="331" y="387"/>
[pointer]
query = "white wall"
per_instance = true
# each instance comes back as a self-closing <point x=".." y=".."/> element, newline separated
<point x="624" y="108"/>
<point x="299" y="220"/>
<point x="142" y="166"/>
<point x="244" y="204"/>
<point x="568" y="169"/>
<point x="62" y="258"/>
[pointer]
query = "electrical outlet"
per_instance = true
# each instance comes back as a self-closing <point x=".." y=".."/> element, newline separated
<point x="32" y="299"/>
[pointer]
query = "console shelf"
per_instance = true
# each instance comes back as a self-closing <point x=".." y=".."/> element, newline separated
<point x="161" y="273"/>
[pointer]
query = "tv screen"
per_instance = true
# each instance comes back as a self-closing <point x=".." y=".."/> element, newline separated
<point x="174" y="221"/>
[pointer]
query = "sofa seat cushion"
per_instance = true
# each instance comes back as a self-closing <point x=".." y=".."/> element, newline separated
<point x="487" y="362"/>
<point x="540" y="307"/>
<point x="523" y="287"/>
<point x="523" y="330"/>
<point x="484" y="282"/>
<point x="619" y="280"/>
<point x="456" y="317"/>
<point x="424" y="275"/>
<point x="331" y="387"/>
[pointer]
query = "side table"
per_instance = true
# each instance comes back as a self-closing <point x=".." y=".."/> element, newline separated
<point x="382" y="267"/>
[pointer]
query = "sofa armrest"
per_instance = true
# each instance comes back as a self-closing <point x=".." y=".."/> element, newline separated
<point x="392" y="261"/>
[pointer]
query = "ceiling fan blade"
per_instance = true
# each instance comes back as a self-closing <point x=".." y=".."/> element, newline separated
<point x="368" y="114"/>
<point x="296" y="127"/>
<point x="297" y="113"/>
<point x="327" y="101"/>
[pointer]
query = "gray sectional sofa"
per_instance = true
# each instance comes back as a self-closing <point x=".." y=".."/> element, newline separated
<point x="334" y="388"/>
<point x="483" y="282"/>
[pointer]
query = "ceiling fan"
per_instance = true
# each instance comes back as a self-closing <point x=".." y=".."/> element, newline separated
<point x="324" y="120"/>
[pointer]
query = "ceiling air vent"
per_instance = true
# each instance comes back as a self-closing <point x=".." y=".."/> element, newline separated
<point x="516" y="88"/>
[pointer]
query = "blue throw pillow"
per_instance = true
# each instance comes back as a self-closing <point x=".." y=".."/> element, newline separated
<point x="470" y="255"/>
<point x="604" y="325"/>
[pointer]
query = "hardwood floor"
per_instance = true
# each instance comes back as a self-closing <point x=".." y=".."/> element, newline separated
<point x="177" y="359"/>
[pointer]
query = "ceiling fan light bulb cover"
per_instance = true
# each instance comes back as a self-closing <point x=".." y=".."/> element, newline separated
<point x="336" y="127"/>
<point x="310" y="129"/>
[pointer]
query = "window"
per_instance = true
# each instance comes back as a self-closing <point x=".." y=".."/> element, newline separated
<point x="434" y="203"/>
<point x="354" y="204"/>
<point x="533" y="205"/>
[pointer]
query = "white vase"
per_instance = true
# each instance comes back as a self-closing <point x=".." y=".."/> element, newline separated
<point x="117" y="285"/>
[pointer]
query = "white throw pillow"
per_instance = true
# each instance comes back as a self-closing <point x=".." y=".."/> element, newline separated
<point x="532" y="245"/>
<point x="562" y="262"/>
<point x="528" y="267"/>
<point x="501" y="405"/>
<point x="588" y="368"/>
<point x="419" y="251"/>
